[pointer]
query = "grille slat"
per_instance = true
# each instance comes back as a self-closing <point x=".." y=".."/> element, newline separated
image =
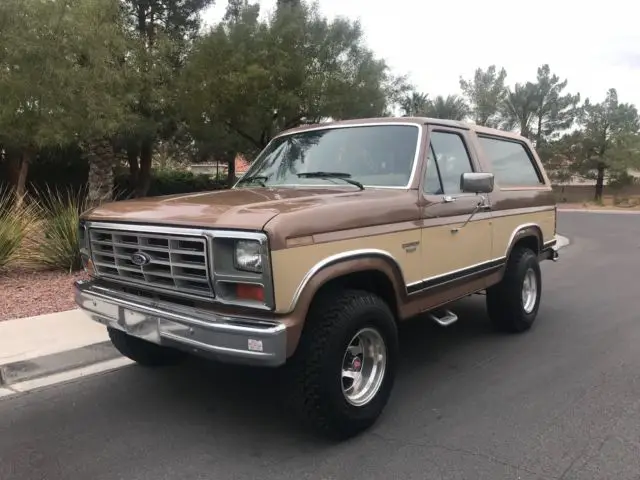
<point x="135" y="247"/>
<point x="176" y="263"/>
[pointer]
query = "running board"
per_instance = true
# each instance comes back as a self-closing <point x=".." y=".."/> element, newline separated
<point x="447" y="319"/>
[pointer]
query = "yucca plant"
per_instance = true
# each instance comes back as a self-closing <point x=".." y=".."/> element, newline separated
<point x="10" y="229"/>
<point x="17" y="221"/>
<point x="59" y="245"/>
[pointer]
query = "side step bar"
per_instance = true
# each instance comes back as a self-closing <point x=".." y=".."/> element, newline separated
<point x="447" y="317"/>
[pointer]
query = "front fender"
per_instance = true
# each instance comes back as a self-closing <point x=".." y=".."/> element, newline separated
<point x="343" y="264"/>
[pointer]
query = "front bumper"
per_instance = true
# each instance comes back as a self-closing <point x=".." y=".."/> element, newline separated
<point x="225" y="338"/>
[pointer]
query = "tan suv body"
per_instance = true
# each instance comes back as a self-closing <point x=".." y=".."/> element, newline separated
<point x="335" y="233"/>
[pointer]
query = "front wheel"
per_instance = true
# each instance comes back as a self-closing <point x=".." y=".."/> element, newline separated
<point x="513" y="303"/>
<point x="344" y="368"/>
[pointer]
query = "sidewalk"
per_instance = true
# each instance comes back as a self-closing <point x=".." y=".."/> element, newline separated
<point x="28" y="338"/>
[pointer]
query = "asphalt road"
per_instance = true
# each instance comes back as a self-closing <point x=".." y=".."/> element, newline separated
<point x="560" y="402"/>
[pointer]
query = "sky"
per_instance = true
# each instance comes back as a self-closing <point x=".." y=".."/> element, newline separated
<point x="596" y="46"/>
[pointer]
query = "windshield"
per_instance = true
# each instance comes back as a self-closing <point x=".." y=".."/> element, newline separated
<point x="373" y="155"/>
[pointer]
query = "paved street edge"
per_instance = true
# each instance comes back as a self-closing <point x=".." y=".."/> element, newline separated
<point x="595" y="210"/>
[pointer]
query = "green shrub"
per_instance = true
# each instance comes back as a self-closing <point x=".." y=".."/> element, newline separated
<point x="169" y="182"/>
<point x="17" y="221"/>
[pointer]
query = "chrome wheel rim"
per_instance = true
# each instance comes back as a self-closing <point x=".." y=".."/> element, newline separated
<point x="529" y="291"/>
<point x="363" y="367"/>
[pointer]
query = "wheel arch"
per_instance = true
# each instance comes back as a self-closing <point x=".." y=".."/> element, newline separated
<point x="528" y="235"/>
<point x="376" y="271"/>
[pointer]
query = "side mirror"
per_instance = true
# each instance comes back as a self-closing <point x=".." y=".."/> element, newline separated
<point x="476" y="182"/>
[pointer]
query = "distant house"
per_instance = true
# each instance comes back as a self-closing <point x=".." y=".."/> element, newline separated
<point x="242" y="165"/>
<point x="216" y="168"/>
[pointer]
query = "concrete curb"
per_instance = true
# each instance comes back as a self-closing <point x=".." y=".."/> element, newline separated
<point x="25" y="370"/>
<point x="34" y="337"/>
<point x="68" y="375"/>
<point x="45" y="349"/>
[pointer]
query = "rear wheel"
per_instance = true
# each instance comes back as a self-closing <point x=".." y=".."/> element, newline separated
<point x="344" y="368"/>
<point x="513" y="303"/>
<point x="145" y="353"/>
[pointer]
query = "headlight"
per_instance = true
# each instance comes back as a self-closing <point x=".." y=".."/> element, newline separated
<point x="248" y="256"/>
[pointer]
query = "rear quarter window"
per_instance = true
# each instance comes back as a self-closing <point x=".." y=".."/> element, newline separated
<point x="511" y="162"/>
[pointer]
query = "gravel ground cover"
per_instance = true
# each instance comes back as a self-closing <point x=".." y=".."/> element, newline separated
<point x="26" y="293"/>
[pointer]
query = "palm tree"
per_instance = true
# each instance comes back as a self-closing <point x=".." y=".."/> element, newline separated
<point x="451" y="107"/>
<point x="415" y="104"/>
<point x="519" y="108"/>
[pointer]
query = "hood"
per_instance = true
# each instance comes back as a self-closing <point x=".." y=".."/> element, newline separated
<point x="246" y="208"/>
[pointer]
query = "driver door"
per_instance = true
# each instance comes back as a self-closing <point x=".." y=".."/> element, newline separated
<point x="452" y="251"/>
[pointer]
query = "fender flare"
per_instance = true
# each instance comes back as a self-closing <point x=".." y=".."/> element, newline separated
<point x="344" y="263"/>
<point x="523" y="231"/>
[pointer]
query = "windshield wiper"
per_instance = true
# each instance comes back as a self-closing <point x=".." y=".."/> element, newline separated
<point x="255" y="178"/>
<point x="340" y="175"/>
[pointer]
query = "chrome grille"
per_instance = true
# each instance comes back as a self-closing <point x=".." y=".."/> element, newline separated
<point x="176" y="263"/>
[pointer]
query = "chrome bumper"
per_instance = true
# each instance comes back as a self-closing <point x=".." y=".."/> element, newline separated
<point x="225" y="338"/>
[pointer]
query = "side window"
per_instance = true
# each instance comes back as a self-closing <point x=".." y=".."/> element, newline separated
<point x="511" y="164"/>
<point x="447" y="161"/>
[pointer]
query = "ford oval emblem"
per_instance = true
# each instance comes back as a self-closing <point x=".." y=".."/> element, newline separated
<point x="140" y="259"/>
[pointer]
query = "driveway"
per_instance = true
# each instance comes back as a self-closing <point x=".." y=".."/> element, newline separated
<point x="560" y="402"/>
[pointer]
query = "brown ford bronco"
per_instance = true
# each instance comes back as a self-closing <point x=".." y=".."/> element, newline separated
<point x="335" y="234"/>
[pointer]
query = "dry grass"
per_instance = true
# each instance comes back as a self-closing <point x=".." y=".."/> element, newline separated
<point x="19" y="222"/>
<point x="39" y="251"/>
<point x="57" y="245"/>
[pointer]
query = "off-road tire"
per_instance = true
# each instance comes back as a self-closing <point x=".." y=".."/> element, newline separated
<point x="145" y="353"/>
<point x="504" y="300"/>
<point x="315" y="368"/>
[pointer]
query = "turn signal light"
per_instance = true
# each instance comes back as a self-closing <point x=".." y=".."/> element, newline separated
<point x="248" y="291"/>
<point x="87" y="263"/>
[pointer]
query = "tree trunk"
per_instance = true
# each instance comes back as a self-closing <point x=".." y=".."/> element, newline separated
<point x="144" y="174"/>
<point x="13" y="162"/>
<point x="21" y="185"/>
<point x="539" y="132"/>
<point x="101" y="160"/>
<point x="133" y="153"/>
<point x="600" y="182"/>
<point x="231" y="171"/>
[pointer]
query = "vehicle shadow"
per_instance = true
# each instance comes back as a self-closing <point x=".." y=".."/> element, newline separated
<point x="253" y="402"/>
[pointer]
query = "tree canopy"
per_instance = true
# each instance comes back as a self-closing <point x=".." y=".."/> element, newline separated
<point x="256" y="77"/>
<point x="140" y="72"/>
<point x="596" y="141"/>
<point x="124" y="80"/>
<point x="60" y="74"/>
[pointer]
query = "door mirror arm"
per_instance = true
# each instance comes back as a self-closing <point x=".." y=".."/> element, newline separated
<point x="481" y="205"/>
